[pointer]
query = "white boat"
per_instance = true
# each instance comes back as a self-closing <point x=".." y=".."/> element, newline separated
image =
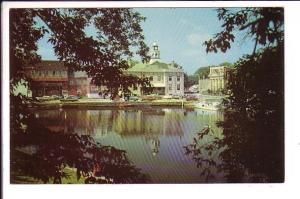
<point x="212" y="106"/>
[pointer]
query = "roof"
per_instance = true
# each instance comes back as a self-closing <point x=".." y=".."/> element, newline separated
<point x="50" y="65"/>
<point x="154" y="67"/>
<point x="218" y="71"/>
<point x="50" y="79"/>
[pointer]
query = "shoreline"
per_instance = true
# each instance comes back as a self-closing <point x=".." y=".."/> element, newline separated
<point x="112" y="104"/>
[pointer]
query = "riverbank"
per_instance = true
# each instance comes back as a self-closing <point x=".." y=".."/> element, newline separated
<point x="105" y="103"/>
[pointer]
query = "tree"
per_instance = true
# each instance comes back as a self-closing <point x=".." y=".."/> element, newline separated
<point x="54" y="152"/>
<point x="263" y="25"/>
<point x="103" y="57"/>
<point x="203" y="72"/>
<point x="253" y="117"/>
<point x="190" y="80"/>
<point x="226" y="64"/>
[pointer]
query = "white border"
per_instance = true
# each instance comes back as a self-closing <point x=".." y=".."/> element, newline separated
<point x="292" y="71"/>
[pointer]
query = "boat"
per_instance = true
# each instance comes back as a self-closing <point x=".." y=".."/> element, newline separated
<point x="212" y="106"/>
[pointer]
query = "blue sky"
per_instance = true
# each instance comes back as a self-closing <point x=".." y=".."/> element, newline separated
<point x="180" y="33"/>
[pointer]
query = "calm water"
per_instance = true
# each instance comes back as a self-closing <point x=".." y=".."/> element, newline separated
<point x="154" y="138"/>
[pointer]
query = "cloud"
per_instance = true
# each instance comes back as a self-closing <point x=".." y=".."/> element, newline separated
<point x="184" y="23"/>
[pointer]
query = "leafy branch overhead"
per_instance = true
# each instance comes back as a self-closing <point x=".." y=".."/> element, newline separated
<point x="104" y="57"/>
<point x="263" y="25"/>
<point x="118" y="33"/>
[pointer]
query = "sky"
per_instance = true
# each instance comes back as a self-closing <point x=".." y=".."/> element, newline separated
<point x="180" y="33"/>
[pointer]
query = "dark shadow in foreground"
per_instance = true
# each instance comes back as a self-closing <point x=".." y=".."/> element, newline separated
<point x="44" y="156"/>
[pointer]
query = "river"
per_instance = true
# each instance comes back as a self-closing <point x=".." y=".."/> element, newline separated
<point x="154" y="138"/>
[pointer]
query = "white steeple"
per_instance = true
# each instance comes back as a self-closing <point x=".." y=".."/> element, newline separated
<point x="155" y="53"/>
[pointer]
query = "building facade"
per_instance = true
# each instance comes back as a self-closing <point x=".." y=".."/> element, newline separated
<point x="166" y="79"/>
<point x="54" y="78"/>
<point x="217" y="79"/>
<point x="48" y="78"/>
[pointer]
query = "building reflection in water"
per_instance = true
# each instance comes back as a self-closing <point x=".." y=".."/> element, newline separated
<point x="153" y="138"/>
<point x="152" y="124"/>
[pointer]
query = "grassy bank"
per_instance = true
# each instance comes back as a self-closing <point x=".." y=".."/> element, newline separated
<point x="72" y="179"/>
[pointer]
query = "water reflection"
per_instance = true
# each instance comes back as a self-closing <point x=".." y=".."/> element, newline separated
<point x="50" y="157"/>
<point x="153" y="138"/>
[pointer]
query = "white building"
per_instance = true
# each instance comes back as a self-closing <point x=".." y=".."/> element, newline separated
<point x="165" y="78"/>
<point x="217" y="79"/>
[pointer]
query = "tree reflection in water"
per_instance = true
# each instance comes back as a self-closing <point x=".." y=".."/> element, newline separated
<point x="205" y="151"/>
<point x="44" y="155"/>
<point x="210" y="153"/>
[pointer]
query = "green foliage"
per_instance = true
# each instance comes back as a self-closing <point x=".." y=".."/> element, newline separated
<point x="203" y="72"/>
<point x="45" y="155"/>
<point x="226" y="64"/>
<point x="190" y="80"/>
<point x="103" y="58"/>
<point x="253" y="125"/>
<point x="177" y="65"/>
<point x="264" y="25"/>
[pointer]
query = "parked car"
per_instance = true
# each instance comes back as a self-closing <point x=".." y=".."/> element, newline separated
<point x="70" y="98"/>
<point x="56" y="97"/>
<point x="43" y="98"/>
<point x="73" y="97"/>
<point x="133" y="98"/>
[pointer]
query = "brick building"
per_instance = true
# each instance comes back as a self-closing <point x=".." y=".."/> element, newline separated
<point x="48" y="78"/>
<point x="53" y="78"/>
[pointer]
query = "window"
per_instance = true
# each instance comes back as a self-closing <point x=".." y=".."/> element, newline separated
<point x="170" y="87"/>
<point x="178" y="87"/>
<point x="170" y="78"/>
<point x="40" y="73"/>
<point x="159" y="78"/>
<point x="53" y="73"/>
<point x="46" y="73"/>
<point x="178" y="78"/>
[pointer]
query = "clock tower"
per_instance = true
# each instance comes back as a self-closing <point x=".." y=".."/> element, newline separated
<point x="155" y="53"/>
